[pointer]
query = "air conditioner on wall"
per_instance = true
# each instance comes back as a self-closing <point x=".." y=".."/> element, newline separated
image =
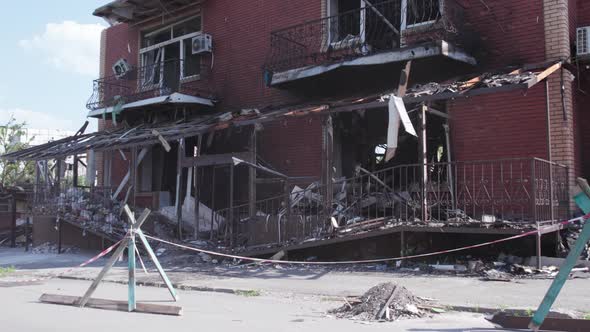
<point x="202" y="43"/>
<point x="121" y="68"/>
<point x="583" y="41"/>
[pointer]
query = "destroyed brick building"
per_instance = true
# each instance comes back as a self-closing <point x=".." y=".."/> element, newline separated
<point x="262" y="125"/>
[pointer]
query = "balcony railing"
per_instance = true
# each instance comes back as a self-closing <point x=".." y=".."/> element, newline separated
<point x="364" y="31"/>
<point x="499" y="193"/>
<point x="159" y="79"/>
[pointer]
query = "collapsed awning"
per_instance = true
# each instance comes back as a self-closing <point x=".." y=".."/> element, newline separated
<point x="509" y="79"/>
<point x="133" y="11"/>
<point x="172" y="99"/>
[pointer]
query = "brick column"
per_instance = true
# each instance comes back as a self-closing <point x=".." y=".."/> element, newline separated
<point x="99" y="156"/>
<point x="557" y="47"/>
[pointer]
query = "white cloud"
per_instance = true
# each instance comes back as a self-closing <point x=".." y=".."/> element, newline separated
<point x="69" y="46"/>
<point x="37" y="120"/>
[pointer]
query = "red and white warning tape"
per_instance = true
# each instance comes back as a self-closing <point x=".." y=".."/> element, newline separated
<point x="261" y="260"/>
<point x="91" y="260"/>
<point x="381" y="260"/>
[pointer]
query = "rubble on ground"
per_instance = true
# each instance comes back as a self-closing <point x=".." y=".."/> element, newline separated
<point x="50" y="248"/>
<point x="571" y="236"/>
<point x="386" y="301"/>
<point x="91" y="211"/>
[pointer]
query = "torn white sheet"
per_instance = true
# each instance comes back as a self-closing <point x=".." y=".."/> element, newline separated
<point x="392" y="130"/>
<point x="188" y="215"/>
<point x="397" y="114"/>
<point x="401" y="108"/>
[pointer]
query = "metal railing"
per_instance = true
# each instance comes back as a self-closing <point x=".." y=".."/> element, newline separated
<point x="92" y="208"/>
<point x="505" y="193"/>
<point x="367" y="30"/>
<point x="159" y="79"/>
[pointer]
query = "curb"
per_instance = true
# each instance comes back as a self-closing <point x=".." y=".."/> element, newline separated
<point x="162" y="285"/>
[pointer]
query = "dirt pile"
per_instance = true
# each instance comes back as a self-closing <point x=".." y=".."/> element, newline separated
<point x="385" y="301"/>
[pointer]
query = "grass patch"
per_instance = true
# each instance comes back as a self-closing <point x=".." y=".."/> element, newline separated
<point x="4" y="271"/>
<point x="586" y="316"/>
<point x="248" y="293"/>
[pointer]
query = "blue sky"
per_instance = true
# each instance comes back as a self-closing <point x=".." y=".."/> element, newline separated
<point x="49" y="57"/>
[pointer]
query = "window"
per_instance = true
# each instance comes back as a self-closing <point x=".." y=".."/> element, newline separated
<point x="166" y="54"/>
<point x="192" y="62"/>
<point x="420" y="12"/>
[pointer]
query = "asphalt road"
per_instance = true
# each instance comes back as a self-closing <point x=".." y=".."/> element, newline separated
<point x="204" y="311"/>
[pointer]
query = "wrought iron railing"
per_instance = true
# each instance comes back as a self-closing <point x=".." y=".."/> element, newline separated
<point x="159" y="79"/>
<point x="91" y="208"/>
<point x="370" y="29"/>
<point x="501" y="193"/>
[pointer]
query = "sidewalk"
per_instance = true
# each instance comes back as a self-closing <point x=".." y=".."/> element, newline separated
<point x="460" y="291"/>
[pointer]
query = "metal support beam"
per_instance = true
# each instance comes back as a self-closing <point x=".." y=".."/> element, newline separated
<point x="179" y="199"/>
<point x="423" y="153"/>
<point x="13" y="221"/>
<point x="197" y="188"/>
<point x="232" y="222"/>
<point x="252" y="174"/>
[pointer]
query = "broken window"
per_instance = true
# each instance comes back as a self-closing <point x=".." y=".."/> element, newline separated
<point x="346" y="22"/>
<point x="166" y="55"/>
<point x="421" y="12"/>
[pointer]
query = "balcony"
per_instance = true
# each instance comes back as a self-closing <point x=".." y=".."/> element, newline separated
<point x="171" y="81"/>
<point x="403" y="29"/>
<point x="494" y="196"/>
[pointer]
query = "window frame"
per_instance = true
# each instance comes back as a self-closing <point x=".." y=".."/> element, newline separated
<point x="173" y="40"/>
<point x="404" y="16"/>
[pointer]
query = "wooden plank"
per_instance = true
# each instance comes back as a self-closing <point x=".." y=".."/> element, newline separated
<point x="116" y="255"/>
<point x="123" y="183"/>
<point x="162" y="140"/>
<point x="132" y="305"/>
<point x="157" y="264"/>
<point x="543" y="75"/>
<point x="147" y="308"/>
<point x="566" y="268"/>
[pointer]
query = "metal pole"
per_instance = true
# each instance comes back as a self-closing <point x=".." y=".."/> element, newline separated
<point x="59" y="235"/>
<point x="75" y="172"/>
<point x="179" y="186"/>
<point x="424" y="161"/>
<point x="549" y="153"/>
<point x="197" y="187"/>
<point x="231" y="205"/>
<point x="212" y="203"/>
<point x="13" y="222"/>
<point x="27" y="233"/>
<point x="449" y="165"/>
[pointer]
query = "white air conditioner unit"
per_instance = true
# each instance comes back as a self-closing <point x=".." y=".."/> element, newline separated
<point x="121" y="68"/>
<point x="202" y="43"/>
<point x="583" y="41"/>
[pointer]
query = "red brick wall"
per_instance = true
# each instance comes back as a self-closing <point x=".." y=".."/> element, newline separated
<point x="241" y="36"/>
<point x="583" y="12"/>
<point x="503" y="125"/>
<point x="583" y="99"/>
<point x="303" y="156"/>
<point x="511" y="32"/>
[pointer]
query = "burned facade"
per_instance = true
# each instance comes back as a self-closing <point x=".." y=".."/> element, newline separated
<point x="295" y="124"/>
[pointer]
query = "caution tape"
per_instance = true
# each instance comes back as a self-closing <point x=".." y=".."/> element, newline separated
<point x="91" y="260"/>
<point x="368" y="261"/>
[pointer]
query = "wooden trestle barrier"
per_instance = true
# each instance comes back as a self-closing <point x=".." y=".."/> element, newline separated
<point x="129" y="242"/>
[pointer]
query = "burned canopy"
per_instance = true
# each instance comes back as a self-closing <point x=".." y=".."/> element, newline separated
<point x="509" y="79"/>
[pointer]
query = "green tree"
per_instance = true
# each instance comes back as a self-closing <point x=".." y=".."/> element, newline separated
<point x="12" y="173"/>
